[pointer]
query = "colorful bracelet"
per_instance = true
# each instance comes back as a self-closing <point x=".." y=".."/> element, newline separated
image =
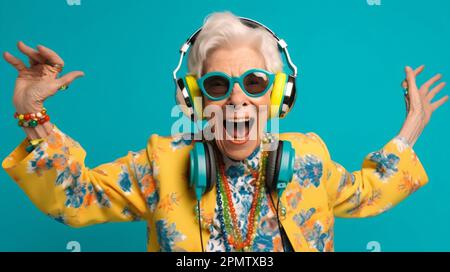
<point x="32" y="119"/>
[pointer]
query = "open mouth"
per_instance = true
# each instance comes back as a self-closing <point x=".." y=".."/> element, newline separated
<point x="239" y="130"/>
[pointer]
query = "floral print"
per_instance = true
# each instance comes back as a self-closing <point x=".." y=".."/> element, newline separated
<point x="169" y="202"/>
<point x="308" y="170"/>
<point x="148" y="185"/>
<point x="304" y="216"/>
<point x="347" y="179"/>
<point x="317" y="238"/>
<point x="58" y="218"/>
<point x="168" y="235"/>
<point x="128" y="213"/>
<point x="239" y="176"/>
<point x="151" y="185"/>
<point x="75" y="193"/>
<point x="99" y="196"/>
<point x="408" y="183"/>
<point x="180" y="141"/>
<point x="124" y="181"/>
<point x="40" y="162"/>
<point x="386" y="164"/>
<point x="293" y="195"/>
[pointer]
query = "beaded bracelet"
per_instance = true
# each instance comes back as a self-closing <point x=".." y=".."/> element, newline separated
<point x="32" y="119"/>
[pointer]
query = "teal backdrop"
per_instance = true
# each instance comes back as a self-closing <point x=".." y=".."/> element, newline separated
<point x="351" y="56"/>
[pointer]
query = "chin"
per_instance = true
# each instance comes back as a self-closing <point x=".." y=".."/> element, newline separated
<point x="237" y="151"/>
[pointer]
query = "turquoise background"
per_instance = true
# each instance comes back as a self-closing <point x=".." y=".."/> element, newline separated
<point x="351" y="57"/>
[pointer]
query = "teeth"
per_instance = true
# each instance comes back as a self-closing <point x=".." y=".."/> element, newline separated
<point x="238" y="128"/>
<point x="237" y="120"/>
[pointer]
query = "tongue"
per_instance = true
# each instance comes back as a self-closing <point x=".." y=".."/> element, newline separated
<point x="240" y="130"/>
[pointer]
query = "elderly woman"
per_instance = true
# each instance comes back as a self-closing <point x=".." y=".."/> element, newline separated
<point x="240" y="213"/>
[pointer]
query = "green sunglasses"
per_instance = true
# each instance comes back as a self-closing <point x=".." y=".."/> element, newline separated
<point x="218" y="85"/>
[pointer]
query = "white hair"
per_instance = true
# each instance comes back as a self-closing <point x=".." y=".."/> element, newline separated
<point x="225" y="29"/>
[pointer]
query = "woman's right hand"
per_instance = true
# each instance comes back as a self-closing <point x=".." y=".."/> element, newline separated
<point x="36" y="83"/>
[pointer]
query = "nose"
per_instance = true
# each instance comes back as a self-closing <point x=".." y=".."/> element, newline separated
<point x="238" y="97"/>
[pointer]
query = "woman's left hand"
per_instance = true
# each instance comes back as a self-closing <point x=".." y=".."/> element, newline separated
<point x="420" y="105"/>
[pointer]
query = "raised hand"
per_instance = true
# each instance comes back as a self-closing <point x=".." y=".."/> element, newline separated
<point x="36" y="83"/>
<point x="421" y="106"/>
<point x="40" y="80"/>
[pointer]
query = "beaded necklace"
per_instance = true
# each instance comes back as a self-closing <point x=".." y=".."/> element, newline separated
<point x="229" y="222"/>
<point x="226" y="224"/>
<point x="221" y="219"/>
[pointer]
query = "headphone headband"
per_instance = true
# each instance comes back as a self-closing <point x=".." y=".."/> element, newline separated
<point x="248" y="22"/>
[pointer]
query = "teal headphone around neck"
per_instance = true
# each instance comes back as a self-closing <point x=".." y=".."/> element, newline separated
<point x="203" y="169"/>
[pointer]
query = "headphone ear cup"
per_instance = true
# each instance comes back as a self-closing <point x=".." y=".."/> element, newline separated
<point x="276" y="97"/>
<point x="280" y="166"/>
<point x="198" y="169"/>
<point x="271" y="180"/>
<point x="202" y="168"/>
<point x="289" y="96"/>
<point x="285" y="168"/>
<point x="195" y="95"/>
<point x="270" y="170"/>
<point x="183" y="100"/>
<point x="211" y="177"/>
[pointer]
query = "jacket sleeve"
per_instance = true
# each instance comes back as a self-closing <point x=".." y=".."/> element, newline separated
<point x="58" y="182"/>
<point x="386" y="178"/>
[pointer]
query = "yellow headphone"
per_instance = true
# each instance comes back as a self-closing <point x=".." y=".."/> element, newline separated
<point x="189" y="97"/>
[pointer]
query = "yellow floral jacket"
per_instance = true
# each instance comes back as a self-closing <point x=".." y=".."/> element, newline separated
<point x="152" y="185"/>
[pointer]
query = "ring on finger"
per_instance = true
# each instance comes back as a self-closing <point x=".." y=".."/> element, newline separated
<point x="63" y="87"/>
<point x="404" y="86"/>
<point x="58" y="66"/>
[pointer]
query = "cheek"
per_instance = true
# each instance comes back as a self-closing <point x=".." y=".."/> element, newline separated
<point x="263" y="100"/>
<point x="262" y="105"/>
<point x="211" y="107"/>
<point x="207" y="102"/>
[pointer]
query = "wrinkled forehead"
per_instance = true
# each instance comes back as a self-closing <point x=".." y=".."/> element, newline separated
<point x="233" y="60"/>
